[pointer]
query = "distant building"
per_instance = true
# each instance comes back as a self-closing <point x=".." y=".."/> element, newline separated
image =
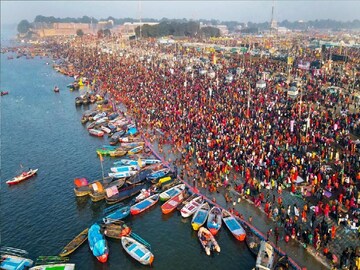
<point x="62" y="29"/>
<point x="128" y="28"/>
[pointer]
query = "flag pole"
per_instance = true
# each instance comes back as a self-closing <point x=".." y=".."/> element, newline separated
<point x="102" y="167"/>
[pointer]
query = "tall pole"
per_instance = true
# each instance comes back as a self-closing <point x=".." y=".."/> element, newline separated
<point x="140" y="19"/>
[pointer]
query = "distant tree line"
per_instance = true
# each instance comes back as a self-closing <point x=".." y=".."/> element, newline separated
<point x="188" y="27"/>
<point x="175" y="28"/>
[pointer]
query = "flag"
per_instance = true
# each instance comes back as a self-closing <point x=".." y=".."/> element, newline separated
<point x="101" y="158"/>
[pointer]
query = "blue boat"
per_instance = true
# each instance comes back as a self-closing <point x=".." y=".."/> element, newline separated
<point x="200" y="216"/>
<point x="116" y="215"/>
<point x="98" y="243"/>
<point x="158" y="174"/>
<point x="125" y="168"/>
<point x="214" y="220"/>
<point x="14" y="259"/>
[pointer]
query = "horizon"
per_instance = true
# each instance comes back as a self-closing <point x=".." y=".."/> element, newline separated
<point x="12" y="12"/>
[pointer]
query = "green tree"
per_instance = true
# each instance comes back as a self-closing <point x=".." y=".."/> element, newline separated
<point x="23" y="27"/>
<point x="80" y="32"/>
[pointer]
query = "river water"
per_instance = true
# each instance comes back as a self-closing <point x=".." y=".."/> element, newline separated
<point x="42" y="129"/>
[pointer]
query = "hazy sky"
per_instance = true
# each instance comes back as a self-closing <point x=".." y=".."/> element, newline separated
<point x="242" y="11"/>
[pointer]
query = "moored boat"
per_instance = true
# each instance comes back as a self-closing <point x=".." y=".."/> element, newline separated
<point x="252" y="240"/>
<point x="266" y="256"/>
<point x="208" y="241"/>
<point x="192" y="206"/>
<point x="23" y="176"/>
<point x="137" y="250"/>
<point x="158" y="174"/>
<point x="96" y="132"/>
<point x="98" y="243"/>
<point x="117" y="214"/>
<point x="186" y="201"/>
<point x="125" y="192"/>
<point x="214" y="220"/>
<point x="283" y="263"/>
<point x="144" y="204"/>
<point x="122" y="174"/>
<point x="125" y="168"/>
<point x="57" y="266"/>
<point x="136" y="150"/>
<point x="167" y="194"/>
<point x="14" y="258"/>
<point x="200" y="216"/>
<point x="172" y="203"/>
<point x="82" y="187"/>
<point x="97" y="191"/>
<point x="75" y="243"/>
<point x="233" y="225"/>
<point x="116" y="230"/>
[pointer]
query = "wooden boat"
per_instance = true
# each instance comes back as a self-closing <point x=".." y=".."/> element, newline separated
<point x="118" y="153"/>
<point x="23" y="176"/>
<point x="3" y="93"/>
<point x="14" y="258"/>
<point x="214" y="220"/>
<point x="164" y="181"/>
<point x="114" y="139"/>
<point x="144" y="204"/>
<point x="125" y="192"/>
<point x="75" y="243"/>
<point x="252" y="240"/>
<point x="132" y="144"/>
<point x="167" y="194"/>
<point x="96" y="132"/>
<point x="97" y="191"/>
<point x="82" y="187"/>
<point x="57" y="266"/>
<point x="117" y="214"/>
<point x="78" y="101"/>
<point x="136" y="150"/>
<point x="172" y="203"/>
<point x="208" y="241"/>
<point x="137" y="250"/>
<point x="192" y="206"/>
<point x="104" y="151"/>
<point x="116" y="230"/>
<point x="200" y="216"/>
<point x="186" y="201"/>
<point x="233" y="225"/>
<point x="266" y="256"/>
<point x="98" y="243"/>
<point x="105" y="129"/>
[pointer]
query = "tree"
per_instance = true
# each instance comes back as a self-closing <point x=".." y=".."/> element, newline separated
<point x="23" y="27"/>
<point x="80" y="32"/>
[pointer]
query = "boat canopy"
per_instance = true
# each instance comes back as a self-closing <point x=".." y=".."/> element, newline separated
<point x="97" y="187"/>
<point x="80" y="182"/>
<point x="111" y="191"/>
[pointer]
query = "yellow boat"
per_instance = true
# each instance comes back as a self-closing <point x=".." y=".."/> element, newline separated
<point x="75" y="243"/>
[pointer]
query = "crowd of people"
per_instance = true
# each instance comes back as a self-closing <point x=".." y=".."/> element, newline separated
<point x="227" y="130"/>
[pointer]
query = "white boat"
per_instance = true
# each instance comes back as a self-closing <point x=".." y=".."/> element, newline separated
<point x="96" y="132"/>
<point x="233" y="225"/>
<point x="208" y="241"/>
<point x="123" y="174"/>
<point x="23" y="176"/>
<point x="266" y="257"/>
<point x="106" y="129"/>
<point x="14" y="259"/>
<point x="59" y="266"/>
<point x="124" y="168"/>
<point x="191" y="207"/>
<point x="167" y="194"/>
<point x="137" y="250"/>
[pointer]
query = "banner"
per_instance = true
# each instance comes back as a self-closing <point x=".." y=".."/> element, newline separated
<point x="304" y="65"/>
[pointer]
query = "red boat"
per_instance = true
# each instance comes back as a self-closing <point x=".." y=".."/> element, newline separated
<point x="23" y="176"/>
<point x="172" y="203"/>
<point x="96" y="132"/>
<point x="3" y="93"/>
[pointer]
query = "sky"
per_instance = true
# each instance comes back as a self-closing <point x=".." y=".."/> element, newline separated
<point x="241" y="11"/>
